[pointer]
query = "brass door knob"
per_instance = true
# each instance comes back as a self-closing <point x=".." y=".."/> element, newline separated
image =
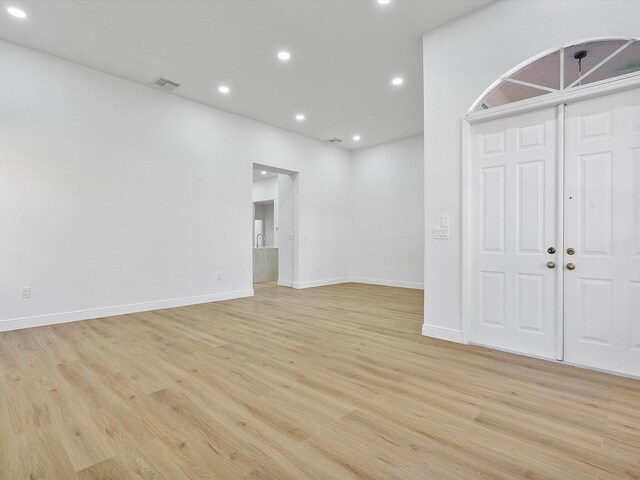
<point x="571" y="266"/>
<point x="551" y="250"/>
<point x="571" y="251"/>
<point x="551" y="264"/>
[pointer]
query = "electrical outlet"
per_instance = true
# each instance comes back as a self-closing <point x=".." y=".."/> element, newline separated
<point x="25" y="292"/>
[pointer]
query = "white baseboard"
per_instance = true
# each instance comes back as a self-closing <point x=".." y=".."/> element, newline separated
<point x="371" y="281"/>
<point x="64" y="317"/>
<point x="285" y="283"/>
<point x="388" y="283"/>
<point x="442" y="333"/>
<point x="321" y="283"/>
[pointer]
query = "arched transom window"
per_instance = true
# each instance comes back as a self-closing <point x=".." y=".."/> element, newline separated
<point x="568" y="67"/>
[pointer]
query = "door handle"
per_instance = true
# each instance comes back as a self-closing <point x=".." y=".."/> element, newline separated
<point x="551" y="264"/>
<point x="551" y="250"/>
<point x="571" y="266"/>
<point x="571" y="251"/>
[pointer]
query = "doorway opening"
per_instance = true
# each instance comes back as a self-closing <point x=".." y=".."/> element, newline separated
<point x="274" y="231"/>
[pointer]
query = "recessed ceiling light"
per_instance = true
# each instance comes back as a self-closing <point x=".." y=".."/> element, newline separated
<point x="224" y="89"/>
<point x="263" y="172"/>
<point x="384" y="2"/>
<point x="397" y="81"/>
<point x="16" y="12"/>
<point x="356" y="138"/>
<point x="283" y="55"/>
<point x="299" y="117"/>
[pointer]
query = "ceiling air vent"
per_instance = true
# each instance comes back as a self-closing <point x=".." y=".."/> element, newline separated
<point x="334" y="140"/>
<point x="164" y="84"/>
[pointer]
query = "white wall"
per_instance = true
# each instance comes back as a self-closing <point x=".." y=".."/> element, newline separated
<point x="264" y="214"/>
<point x="286" y="232"/>
<point x="461" y="59"/>
<point x="387" y="243"/>
<point x="266" y="189"/>
<point x="269" y="224"/>
<point x="115" y="197"/>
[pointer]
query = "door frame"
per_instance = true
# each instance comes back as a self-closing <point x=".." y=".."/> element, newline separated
<point x="556" y="99"/>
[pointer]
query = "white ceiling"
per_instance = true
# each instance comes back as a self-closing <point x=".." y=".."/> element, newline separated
<point x="258" y="175"/>
<point x="344" y="55"/>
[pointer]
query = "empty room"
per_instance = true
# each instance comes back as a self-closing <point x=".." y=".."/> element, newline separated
<point x="319" y="239"/>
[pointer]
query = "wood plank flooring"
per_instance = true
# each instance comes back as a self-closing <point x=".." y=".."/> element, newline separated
<point x="325" y="383"/>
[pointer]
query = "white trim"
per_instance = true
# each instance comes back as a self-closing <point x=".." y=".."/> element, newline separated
<point x="584" y="92"/>
<point x="466" y="306"/>
<point x="285" y="283"/>
<point x="442" y="333"/>
<point x="559" y="259"/>
<point x="363" y="280"/>
<point x="74" y="316"/>
<point x="562" y="68"/>
<point x="532" y="85"/>
<point x="388" y="283"/>
<point x="295" y="177"/>
<point x="321" y="283"/>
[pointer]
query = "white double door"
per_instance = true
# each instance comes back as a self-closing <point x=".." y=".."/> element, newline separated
<point x="555" y="260"/>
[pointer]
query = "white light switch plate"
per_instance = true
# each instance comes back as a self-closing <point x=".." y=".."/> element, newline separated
<point x="441" y="233"/>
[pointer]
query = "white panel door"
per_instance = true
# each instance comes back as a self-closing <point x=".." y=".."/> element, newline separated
<point x="515" y="223"/>
<point x="602" y="225"/>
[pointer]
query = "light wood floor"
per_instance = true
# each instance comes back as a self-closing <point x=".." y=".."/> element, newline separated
<point x="325" y="383"/>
